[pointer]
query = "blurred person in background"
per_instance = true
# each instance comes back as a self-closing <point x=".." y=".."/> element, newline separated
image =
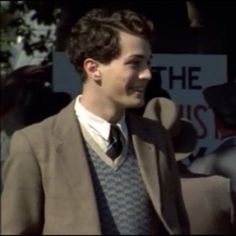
<point x="222" y="161"/>
<point x="27" y="98"/>
<point x="208" y="199"/>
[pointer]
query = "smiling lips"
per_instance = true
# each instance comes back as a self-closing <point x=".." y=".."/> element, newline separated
<point x="138" y="89"/>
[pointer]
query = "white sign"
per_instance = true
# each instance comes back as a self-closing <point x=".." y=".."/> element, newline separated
<point x="185" y="76"/>
<point x="65" y="77"/>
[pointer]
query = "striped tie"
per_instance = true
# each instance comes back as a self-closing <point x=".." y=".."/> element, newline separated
<point x="115" y="142"/>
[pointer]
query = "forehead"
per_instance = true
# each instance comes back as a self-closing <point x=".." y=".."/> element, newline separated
<point x="134" y="45"/>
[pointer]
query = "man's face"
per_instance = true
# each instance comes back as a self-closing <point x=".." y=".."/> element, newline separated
<point x="124" y="79"/>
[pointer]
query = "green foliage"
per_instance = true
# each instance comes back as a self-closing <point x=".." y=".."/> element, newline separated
<point x="15" y="24"/>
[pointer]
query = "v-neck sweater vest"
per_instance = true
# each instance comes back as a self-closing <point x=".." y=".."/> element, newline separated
<point x="123" y="203"/>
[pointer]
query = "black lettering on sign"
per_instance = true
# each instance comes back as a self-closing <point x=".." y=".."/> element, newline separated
<point x="197" y="114"/>
<point x="181" y="77"/>
<point x="192" y="76"/>
<point x="185" y="77"/>
<point x="159" y="69"/>
<point x="194" y="114"/>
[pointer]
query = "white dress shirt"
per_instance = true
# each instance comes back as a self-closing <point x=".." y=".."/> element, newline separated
<point x="99" y="130"/>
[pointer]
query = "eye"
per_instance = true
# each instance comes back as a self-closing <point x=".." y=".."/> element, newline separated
<point x="134" y="64"/>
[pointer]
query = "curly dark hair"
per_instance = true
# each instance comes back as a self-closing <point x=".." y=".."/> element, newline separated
<point x="96" y="35"/>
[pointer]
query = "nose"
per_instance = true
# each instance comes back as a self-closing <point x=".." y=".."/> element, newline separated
<point x="145" y="74"/>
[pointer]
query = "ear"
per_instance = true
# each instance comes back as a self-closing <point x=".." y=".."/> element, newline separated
<point x="91" y="68"/>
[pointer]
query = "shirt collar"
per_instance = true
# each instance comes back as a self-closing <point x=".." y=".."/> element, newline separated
<point x="98" y="124"/>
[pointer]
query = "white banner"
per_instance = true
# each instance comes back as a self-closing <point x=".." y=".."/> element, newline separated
<point x="185" y="76"/>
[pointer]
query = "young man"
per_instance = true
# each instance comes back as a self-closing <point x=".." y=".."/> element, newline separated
<point x="93" y="168"/>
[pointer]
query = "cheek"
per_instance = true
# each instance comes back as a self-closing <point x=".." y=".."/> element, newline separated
<point x="128" y="78"/>
<point x="118" y="81"/>
<point x="114" y="86"/>
<point x="124" y="83"/>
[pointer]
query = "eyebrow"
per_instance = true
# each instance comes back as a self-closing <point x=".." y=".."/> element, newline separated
<point x="139" y="56"/>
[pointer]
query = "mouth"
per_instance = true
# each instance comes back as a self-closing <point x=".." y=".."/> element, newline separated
<point x="140" y="90"/>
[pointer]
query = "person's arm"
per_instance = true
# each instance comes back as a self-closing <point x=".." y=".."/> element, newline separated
<point x="22" y="196"/>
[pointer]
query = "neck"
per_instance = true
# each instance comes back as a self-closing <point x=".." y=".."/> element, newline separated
<point x="101" y="107"/>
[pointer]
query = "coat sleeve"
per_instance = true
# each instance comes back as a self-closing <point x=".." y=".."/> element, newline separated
<point x="22" y="194"/>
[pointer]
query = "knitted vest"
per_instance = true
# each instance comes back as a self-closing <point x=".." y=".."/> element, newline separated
<point x="123" y="204"/>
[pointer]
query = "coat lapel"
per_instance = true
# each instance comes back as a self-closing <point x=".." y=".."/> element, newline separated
<point x="156" y="171"/>
<point x="72" y="155"/>
<point x="148" y="168"/>
<point x="146" y="157"/>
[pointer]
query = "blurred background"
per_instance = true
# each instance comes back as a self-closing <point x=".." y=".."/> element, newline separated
<point x="32" y="30"/>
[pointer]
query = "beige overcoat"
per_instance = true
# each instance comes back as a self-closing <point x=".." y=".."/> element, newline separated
<point x="48" y="187"/>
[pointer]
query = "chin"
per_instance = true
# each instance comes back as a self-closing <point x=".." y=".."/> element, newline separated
<point x="137" y="104"/>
